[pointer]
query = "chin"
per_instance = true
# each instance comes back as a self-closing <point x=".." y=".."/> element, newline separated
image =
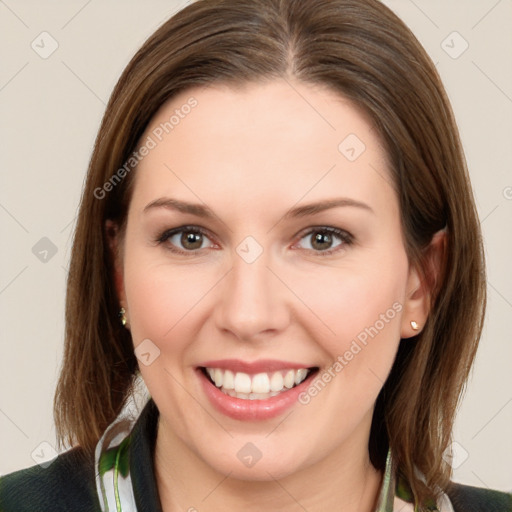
<point x="257" y="459"/>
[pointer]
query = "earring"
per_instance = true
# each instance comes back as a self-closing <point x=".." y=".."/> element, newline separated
<point x="122" y="316"/>
<point x="415" y="325"/>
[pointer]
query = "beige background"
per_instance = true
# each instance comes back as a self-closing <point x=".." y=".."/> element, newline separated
<point x="50" y="110"/>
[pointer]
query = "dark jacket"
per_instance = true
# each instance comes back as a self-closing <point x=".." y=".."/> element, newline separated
<point x="68" y="484"/>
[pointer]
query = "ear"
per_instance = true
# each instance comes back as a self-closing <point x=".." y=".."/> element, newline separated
<point x="421" y="286"/>
<point x="115" y="246"/>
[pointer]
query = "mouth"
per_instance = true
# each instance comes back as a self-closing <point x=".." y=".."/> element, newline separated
<point x="257" y="386"/>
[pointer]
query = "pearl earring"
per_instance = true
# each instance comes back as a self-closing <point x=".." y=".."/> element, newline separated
<point x="415" y="325"/>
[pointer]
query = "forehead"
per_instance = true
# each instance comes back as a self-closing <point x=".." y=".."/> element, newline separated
<point x="280" y="138"/>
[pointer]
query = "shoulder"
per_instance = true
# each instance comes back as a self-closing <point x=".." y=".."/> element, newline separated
<point x="475" y="499"/>
<point x="68" y="483"/>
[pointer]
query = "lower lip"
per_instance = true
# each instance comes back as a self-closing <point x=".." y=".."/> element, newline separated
<point x="252" y="410"/>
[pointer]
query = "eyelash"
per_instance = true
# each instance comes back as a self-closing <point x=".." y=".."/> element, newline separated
<point x="346" y="238"/>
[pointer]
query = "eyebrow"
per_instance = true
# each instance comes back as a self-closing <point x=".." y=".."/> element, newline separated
<point x="201" y="210"/>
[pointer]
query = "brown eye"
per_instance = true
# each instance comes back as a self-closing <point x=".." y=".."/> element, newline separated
<point x="325" y="240"/>
<point x="185" y="239"/>
<point x="321" y="241"/>
<point x="191" y="240"/>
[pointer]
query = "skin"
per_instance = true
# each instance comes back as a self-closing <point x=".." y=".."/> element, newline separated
<point x="250" y="155"/>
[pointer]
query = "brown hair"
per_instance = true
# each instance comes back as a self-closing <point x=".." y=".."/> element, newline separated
<point x="361" y="50"/>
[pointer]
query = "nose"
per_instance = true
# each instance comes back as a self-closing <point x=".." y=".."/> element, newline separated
<point x="252" y="302"/>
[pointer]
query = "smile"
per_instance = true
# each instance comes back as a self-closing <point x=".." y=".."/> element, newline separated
<point x="260" y="386"/>
<point x="254" y="391"/>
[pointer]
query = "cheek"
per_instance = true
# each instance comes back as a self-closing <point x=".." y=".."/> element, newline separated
<point x="357" y="320"/>
<point x="351" y="302"/>
<point x="164" y="303"/>
<point x="160" y="298"/>
<point x="366" y="320"/>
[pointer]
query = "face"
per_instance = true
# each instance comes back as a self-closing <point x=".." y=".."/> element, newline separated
<point x="263" y="250"/>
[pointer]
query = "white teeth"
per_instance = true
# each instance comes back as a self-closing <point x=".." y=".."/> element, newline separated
<point x="289" y="379"/>
<point x="242" y="383"/>
<point x="258" y="396"/>
<point x="256" y="387"/>
<point x="229" y="380"/>
<point x="300" y="375"/>
<point x="276" y="382"/>
<point x="260" y="383"/>
<point x="218" y="377"/>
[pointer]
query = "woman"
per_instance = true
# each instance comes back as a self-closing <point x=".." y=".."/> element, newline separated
<point x="278" y="234"/>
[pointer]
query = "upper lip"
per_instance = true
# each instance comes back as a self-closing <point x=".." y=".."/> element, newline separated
<point x="253" y="367"/>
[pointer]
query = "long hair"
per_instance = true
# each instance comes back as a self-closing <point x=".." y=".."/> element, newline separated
<point x="361" y="50"/>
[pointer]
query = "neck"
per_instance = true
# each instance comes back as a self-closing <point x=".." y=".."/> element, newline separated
<point x="343" y="481"/>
